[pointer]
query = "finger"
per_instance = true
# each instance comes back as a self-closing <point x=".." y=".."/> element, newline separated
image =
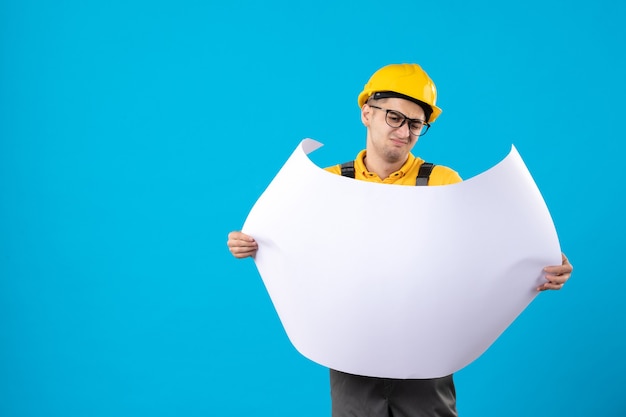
<point x="236" y="235"/>
<point x="240" y="239"/>
<point x="243" y="254"/>
<point x="242" y="248"/>
<point x="565" y="267"/>
<point x="550" y="286"/>
<point x="558" y="279"/>
<point x="242" y="251"/>
<point x="565" y="260"/>
<point x="240" y="245"/>
<point x="559" y="275"/>
<point x="558" y="270"/>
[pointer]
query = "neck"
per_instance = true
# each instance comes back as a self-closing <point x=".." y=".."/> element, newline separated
<point x="381" y="167"/>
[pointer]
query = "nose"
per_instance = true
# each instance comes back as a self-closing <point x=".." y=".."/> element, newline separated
<point x="404" y="130"/>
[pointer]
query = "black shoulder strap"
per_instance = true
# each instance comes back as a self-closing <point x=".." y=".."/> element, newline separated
<point x="424" y="173"/>
<point x="347" y="169"/>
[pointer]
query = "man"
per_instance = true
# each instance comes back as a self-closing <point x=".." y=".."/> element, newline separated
<point x="398" y="104"/>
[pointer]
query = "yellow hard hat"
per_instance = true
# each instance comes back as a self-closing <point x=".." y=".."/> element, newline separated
<point x="408" y="81"/>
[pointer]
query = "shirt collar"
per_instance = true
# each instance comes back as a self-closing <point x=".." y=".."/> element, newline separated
<point x="359" y="166"/>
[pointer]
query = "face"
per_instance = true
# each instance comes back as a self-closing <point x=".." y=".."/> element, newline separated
<point x="388" y="143"/>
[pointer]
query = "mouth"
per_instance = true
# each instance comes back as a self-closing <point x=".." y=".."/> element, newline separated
<point x="399" y="141"/>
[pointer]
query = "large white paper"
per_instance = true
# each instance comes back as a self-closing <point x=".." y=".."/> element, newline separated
<point x="398" y="281"/>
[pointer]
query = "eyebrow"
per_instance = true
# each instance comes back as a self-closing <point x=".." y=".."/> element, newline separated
<point x="406" y="117"/>
<point x="424" y="122"/>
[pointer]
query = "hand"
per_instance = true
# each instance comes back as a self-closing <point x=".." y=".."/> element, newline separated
<point x="241" y="245"/>
<point x="557" y="275"/>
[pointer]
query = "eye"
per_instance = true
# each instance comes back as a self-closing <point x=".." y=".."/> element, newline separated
<point x="394" y="117"/>
<point x="417" y="125"/>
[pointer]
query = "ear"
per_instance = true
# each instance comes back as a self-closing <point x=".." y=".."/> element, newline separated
<point x="366" y="114"/>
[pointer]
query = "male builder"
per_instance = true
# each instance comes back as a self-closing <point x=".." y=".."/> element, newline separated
<point x="398" y="104"/>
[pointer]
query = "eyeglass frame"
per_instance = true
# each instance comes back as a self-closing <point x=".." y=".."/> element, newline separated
<point x="424" y="123"/>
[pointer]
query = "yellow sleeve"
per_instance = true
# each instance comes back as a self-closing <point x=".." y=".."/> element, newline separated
<point x="335" y="169"/>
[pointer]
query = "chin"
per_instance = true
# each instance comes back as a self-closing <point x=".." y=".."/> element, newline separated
<point x="393" y="157"/>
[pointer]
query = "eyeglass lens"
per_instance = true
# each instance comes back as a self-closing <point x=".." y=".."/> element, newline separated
<point x="396" y="119"/>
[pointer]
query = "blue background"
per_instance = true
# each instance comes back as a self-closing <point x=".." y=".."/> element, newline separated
<point x="135" y="135"/>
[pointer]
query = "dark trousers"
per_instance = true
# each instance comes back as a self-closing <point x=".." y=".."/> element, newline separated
<point x="362" y="396"/>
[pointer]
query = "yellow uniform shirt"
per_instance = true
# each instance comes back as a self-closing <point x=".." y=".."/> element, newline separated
<point x="406" y="175"/>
